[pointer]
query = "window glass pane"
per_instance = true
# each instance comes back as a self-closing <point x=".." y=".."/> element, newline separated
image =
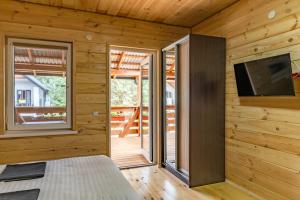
<point x="170" y="105"/>
<point x="40" y="85"/>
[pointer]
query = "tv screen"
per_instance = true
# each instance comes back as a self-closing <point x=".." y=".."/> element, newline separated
<point x="265" y="77"/>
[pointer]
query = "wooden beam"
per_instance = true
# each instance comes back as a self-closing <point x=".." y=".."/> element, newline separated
<point x="125" y="72"/>
<point x="29" y="55"/>
<point x="129" y="56"/>
<point x="39" y="67"/>
<point x="135" y="73"/>
<point x="39" y="73"/>
<point x="121" y="60"/>
<point x="46" y="57"/>
<point x="129" y="63"/>
<point x="63" y="58"/>
<point x="126" y="63"/>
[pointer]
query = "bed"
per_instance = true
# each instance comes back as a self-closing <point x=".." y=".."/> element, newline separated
<point x="82" y="178"/>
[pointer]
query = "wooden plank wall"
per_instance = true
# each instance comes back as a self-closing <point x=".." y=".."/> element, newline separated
<point x="90" y="80"/>
<point x="263" y="144"/>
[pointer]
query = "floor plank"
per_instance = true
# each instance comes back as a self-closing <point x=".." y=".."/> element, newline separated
<point x="155" y="183"/>
<point x="127" y="152"/>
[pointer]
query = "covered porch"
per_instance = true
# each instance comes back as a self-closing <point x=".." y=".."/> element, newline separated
<point x="40" y="82"/>
<point x="130" y="99"/>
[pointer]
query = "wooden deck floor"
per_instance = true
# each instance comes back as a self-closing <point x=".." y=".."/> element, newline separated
<point x="127" y="152"/>
<point x="154" y="183"/>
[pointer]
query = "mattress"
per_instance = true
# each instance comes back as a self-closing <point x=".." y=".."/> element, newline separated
<point x="82" y="178"/>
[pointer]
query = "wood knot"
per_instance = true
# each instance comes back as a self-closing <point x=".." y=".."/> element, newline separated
<point x="92" y="24"/>
<point x="264" y="117"/>
<point x="290" y="40"/>
<point x="277" y="128"/>
<point x="288" y="10"/>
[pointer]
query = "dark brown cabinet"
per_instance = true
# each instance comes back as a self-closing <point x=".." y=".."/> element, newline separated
<point x="193" y="108"/>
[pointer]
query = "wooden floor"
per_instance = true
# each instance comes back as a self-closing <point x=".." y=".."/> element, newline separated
<point x="155" y="183"/>
<point x="126" y="152"/>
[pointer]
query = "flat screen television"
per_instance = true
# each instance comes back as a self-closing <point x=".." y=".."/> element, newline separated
<point x="265" y="77"/>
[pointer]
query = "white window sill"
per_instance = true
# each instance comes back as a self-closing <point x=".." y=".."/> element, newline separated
<point x="16" y="134"/>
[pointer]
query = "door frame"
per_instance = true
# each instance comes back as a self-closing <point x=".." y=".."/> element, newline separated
<point x="174" y="170"/>
<point x="155" y="95"/>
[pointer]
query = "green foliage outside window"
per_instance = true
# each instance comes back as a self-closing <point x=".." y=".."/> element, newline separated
<point x="57" y="89"/>
<point x="123" y="92"/>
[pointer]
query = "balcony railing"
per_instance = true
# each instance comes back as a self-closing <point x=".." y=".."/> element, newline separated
<point x="125" y="120"/>
<point x="27" y="115"/>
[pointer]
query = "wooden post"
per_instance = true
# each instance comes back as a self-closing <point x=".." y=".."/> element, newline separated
<point x="122" y="56"/>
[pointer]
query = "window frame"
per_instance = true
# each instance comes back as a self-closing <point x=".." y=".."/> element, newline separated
<point x="10" y="85"/>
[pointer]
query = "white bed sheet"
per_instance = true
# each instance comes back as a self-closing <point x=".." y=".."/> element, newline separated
<point x="81" y="178"/>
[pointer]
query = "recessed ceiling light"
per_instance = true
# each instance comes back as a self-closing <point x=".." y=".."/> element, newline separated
<point x="272" y="14"/>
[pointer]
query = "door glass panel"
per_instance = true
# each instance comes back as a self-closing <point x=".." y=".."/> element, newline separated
<point x="146" y="108"/>
<point x="170" y="106"/>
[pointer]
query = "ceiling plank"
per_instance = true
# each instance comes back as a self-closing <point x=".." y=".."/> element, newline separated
<point x="174" y="12"/>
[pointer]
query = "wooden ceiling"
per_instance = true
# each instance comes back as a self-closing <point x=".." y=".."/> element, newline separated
<point x="175" y="12"/>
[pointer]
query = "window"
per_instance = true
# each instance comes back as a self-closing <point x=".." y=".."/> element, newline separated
<point x="23" y="98"/>
<point x="38" y="85"/>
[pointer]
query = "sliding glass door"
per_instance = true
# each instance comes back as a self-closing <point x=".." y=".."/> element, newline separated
<point x="147" y="108"/>
<point x="169" y="107"/>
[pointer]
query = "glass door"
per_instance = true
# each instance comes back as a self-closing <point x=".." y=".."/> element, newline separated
<point x="170" y="107"/>
<point x="146" y="109"/>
